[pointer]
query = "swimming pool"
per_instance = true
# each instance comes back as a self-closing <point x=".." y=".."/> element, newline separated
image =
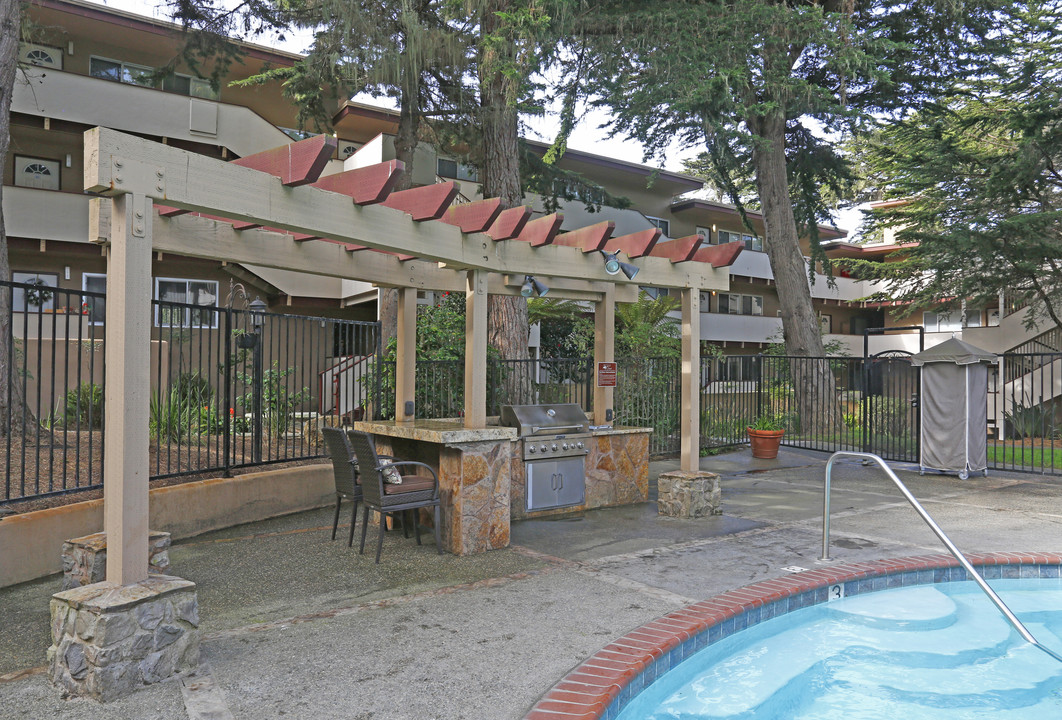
<point x="926" y="651"/>
<point x="645" y="666"/>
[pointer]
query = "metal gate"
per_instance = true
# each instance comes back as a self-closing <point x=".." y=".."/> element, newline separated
<point x="889" y="406"/>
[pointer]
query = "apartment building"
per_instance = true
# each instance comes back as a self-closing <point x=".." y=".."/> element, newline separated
<point x="87" y="65"/>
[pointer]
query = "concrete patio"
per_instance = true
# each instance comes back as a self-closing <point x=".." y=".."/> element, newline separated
<point x="297" y="626"/>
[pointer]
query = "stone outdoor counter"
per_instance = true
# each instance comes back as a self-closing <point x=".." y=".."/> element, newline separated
<point x="482" y="482"/>
<point x="474" y="476"/>
<point x="617" y="473"/>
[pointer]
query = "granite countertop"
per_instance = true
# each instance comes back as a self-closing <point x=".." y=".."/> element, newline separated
<point x="443" y="432"/>
<point x="621" y="430"/>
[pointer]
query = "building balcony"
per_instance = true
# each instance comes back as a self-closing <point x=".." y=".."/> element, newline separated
<point x="46" y="214"/>
<point x="90" y="101"/>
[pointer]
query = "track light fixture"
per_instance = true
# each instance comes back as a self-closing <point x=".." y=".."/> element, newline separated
<point x="532" y="286"/>
<point x="613" y="266"/>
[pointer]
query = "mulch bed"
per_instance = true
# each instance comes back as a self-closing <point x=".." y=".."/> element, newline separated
<point x="75" y="459"/>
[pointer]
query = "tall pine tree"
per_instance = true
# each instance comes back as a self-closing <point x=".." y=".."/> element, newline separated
<point x="760" y="84"/>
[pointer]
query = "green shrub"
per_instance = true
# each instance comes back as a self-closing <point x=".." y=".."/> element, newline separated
<point x="890" y="416"/>
<point x="84" y="407"/>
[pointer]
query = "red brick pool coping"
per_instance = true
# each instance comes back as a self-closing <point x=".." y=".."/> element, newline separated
<point x="589" y="691"/>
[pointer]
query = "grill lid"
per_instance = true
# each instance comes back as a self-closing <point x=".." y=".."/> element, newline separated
<point x="545" y="419"/>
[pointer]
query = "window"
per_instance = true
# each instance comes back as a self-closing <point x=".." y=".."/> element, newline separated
<point x="941" y="321"/>
<point x="95" y="306"/>
<point x="200" y="293"/>
<point x="664" y="225"/>
<point x="456" y="170"/>
<point x="751" y="242"/>
<point x="706" y="233"/>
<point x="38" y="299"/>
<point x="40" y="55"/>
<point x="121" y="72"/>
<point x="740" y="304"/>
<point x="192" y="86"/>
<point x="654" y="292"/>
<point x="825" y="323"/>
<point x="34" y="172"/>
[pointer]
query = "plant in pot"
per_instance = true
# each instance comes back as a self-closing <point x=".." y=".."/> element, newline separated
<point x="765" y="435"/>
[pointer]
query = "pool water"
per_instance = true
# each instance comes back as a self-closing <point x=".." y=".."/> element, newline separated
<point x="933" y="651"/>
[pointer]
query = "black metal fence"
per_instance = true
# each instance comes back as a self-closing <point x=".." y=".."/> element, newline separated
<point x="873" y="407"/>
<point x="229" y="387"/>
<point x="440" y="385"/>
<point x="1024" y="413"/>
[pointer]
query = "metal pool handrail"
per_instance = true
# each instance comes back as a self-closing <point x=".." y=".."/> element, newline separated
<point x="1000" y="605"/>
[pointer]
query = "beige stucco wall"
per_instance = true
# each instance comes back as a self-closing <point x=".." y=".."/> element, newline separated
<point x="32" y="541"/>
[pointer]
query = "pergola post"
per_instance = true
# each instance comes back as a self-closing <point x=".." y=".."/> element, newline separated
<point x="604" y="351"/>
<point x="406" y="355"/>
<point x="476" y="349"/>
<point x="690" y="410"/>
<point x="128" y="382"/>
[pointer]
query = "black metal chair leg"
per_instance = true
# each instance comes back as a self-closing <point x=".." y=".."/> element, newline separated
<point x="353" y="524"/>
<point x="438" y="543"/>
<point x="364" y="527"/>
<point x="379" y="541"/>
<point x="416" y="524"/>
<point x="405" y="524"/>
<point x="335" y="520"/>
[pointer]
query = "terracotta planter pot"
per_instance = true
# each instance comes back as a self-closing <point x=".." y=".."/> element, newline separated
<point x="765" y="443"/>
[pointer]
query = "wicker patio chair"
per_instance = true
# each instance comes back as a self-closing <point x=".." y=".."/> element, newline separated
<point x="345" y="469"/>
<point x="414" y="492"/>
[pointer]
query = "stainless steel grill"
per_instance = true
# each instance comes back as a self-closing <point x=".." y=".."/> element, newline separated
<point x="553" y="440"/>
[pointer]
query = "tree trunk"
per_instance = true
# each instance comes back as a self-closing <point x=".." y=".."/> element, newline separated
<point x="813" y="382"/>
<point x="506" y="315"/>
<point x="11" y="390"/>
<point x="406" y="139"/>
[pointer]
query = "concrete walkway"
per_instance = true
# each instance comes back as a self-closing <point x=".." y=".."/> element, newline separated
<point x="297" y="626"/>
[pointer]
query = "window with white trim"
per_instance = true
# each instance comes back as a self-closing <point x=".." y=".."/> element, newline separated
<point x="196" y="87"/>
<point x="36" y="172"/>
<point x="664" y="225"/>
<point x="942" y="321"/>
<point x="130" y="73"/>
<point x="448" y="168"/>
<point x="203" y="294"/>
<point x="94" y="307"/>
<point x="706" y="233"/>
<point x="751" y="242"/>
<point x="40" y="298"/>
<point x="735" y="304"/>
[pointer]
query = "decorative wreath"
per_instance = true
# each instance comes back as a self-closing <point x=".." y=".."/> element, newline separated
<point x="39" y="294"/>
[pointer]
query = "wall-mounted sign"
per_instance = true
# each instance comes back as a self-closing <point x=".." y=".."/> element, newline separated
<point x="606" y="374"/>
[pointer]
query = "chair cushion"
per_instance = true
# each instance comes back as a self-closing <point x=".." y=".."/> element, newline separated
<point x="410" y="483"/>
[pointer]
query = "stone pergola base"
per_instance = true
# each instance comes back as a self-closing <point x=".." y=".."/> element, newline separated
<point x="689" y="494"/>
<point x="109" y="640"/>
<point x="85" y="558"/>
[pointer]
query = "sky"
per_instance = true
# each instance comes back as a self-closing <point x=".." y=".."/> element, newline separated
<point x="587" y="136"/>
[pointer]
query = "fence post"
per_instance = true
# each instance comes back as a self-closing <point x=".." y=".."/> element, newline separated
<point x="229" y="400"/>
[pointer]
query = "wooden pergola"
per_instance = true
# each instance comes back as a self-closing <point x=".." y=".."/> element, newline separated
<point x="274" y="210"/>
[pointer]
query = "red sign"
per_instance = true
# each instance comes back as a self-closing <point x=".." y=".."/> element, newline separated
<point x="606" y="374"/>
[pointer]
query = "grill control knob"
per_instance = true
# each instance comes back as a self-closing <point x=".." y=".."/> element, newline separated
<point x="543" y="448"/>
<point x="531" y="449"/>
<point x="579" y="444"/>
<point x="553" y="447"/>
<point x="564" y="446"/>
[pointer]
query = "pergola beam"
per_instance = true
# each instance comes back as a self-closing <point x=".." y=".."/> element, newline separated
<point x="199" y="237"/>
<point x="118" y="163"/>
